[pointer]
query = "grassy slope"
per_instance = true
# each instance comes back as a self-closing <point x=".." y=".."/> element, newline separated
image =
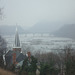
<point x="4" y="72"/>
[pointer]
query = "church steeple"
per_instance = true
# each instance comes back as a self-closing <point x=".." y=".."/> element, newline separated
<point x="17" y="41"/>
<point x="17" y="47"/>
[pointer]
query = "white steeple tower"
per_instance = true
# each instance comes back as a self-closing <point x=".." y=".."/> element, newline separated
<point x="17" y="47"/>
<point x="17" y="41"/>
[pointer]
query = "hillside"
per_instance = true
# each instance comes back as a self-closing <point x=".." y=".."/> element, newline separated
<point x="4" y="72"/>
<point x="66" y="31"/>
<point x="6" y="30"/>
<point x="44" y="27"/>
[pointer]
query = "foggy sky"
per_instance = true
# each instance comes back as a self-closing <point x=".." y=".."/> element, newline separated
<point x="29" y="12"/>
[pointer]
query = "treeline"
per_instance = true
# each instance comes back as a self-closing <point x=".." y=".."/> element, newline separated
<point x="53" y="63"/>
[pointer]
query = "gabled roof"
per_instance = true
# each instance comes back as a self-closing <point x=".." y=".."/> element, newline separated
<point x="8" y="57"/>
<point x="9" y="53"/>
<point x="20" y="57"/>
<point x="19" y="64"/>
<point x="17" y="41"/>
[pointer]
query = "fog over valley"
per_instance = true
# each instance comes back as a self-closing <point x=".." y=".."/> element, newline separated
<point x="28" y="13"/>
<point x="37" y="37"/>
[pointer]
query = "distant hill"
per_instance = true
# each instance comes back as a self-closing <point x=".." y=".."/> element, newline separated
<point x="55" y="29"/>
<point x="66" y="31"/>
<point x="6" y="30"/>
<point x="44" y="27"/>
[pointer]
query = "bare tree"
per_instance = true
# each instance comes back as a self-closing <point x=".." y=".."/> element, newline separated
<point x="27" y="48"/>
<point x="1" y="14"/>
<point x="67" y="58"/>
<point x="3" y="45"/>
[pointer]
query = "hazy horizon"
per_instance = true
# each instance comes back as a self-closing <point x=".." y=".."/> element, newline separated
<point x="30" y="12"/>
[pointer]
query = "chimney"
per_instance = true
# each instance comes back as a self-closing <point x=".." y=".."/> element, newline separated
<point x="29" y="55"/>
<point x="14" y="58"/>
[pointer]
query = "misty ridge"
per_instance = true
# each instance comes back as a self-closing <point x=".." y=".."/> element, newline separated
<point x="37" y="37"/>
<point x="10" y="30"/>
<point x="42" y="27"/>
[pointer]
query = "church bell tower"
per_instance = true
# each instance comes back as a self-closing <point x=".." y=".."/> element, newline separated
<point x="17" y="42"/>
<point x="16" y="47"/>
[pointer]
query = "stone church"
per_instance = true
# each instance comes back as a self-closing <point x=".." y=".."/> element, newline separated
<point x="15" y="56"/>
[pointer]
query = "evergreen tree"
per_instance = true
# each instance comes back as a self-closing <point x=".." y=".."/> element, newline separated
<point x="29" y="66"/>
<point x="49" y="69"/>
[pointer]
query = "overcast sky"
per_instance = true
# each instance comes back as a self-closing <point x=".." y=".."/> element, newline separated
<point x="29" y="12"/>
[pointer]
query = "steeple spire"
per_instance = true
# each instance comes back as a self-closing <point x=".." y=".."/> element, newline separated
<point x="17" y="41"/>
<point x="16" y="29"/>
<point x="17" y="47"/>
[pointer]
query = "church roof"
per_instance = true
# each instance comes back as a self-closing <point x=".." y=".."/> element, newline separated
<point x="9" y="57"/>
<point x="20" y="57"/>
<point x="17" y="41"/>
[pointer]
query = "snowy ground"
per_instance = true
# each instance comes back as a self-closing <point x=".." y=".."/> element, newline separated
<point x="40" y="42"/>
